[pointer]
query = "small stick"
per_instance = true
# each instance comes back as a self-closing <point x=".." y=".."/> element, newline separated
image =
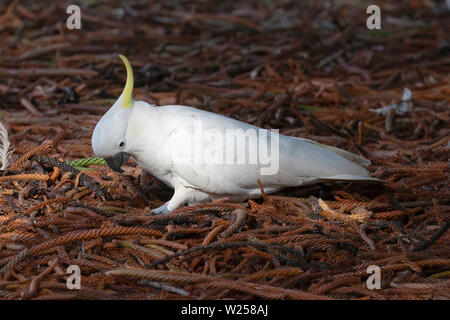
<point x="30" y="176"/>
<point x="38" y="150"/>
<point x="241" y="215"/>
<point x="212" y="235"/>
<point x="263" y="194"/>
<point x="34" y="285"/>
<point x="30" y="107"/>
<point x="50" y="72"/>
<point x="361" y="132"/>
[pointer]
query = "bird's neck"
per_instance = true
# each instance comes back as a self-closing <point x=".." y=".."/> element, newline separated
<point x="146" y="137"/>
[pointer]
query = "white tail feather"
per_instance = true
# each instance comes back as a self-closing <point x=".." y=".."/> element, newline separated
<point x="4" y="146"/>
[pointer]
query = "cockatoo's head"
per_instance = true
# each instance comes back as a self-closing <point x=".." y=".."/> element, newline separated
<point x="109" y="137"/>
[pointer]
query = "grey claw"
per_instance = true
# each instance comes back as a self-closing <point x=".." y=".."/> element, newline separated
<point x="161" y="210"/>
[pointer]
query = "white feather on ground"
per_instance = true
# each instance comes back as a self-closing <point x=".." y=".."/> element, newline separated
<point x="4" y="147"/>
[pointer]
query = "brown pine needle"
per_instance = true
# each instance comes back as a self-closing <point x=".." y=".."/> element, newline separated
<point x="25" y="177"/>
<point x="38" y="150"/>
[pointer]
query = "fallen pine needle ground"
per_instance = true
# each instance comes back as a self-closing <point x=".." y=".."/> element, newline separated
<point x="308" y="69"/>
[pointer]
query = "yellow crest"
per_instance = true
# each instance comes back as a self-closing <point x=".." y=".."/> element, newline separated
<point x="128" y="90"/>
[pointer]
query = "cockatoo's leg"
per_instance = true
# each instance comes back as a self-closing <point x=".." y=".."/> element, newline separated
<point x="162" y="209"/>
<point x="180" y="197"/>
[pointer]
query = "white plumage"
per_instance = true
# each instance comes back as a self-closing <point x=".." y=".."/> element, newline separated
<point x="156" y="137"/>
<point x="4" y="147"/>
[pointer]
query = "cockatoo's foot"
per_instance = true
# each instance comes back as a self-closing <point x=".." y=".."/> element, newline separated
<point x="181" y="196"/>
<point x="162" y="210"/>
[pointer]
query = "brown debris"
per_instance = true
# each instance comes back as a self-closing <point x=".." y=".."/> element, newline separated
<point x="306" y="68"/>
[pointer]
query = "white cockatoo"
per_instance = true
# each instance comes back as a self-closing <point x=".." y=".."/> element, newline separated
<point x="205" y="156"/>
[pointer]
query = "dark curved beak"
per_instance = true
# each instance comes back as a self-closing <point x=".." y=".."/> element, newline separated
<point x="117" y="161"/>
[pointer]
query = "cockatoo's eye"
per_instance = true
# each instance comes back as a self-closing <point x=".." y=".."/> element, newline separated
<point x="121" y="144"/>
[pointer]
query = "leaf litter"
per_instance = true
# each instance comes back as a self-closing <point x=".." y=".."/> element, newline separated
<point x="310" y="69"/>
